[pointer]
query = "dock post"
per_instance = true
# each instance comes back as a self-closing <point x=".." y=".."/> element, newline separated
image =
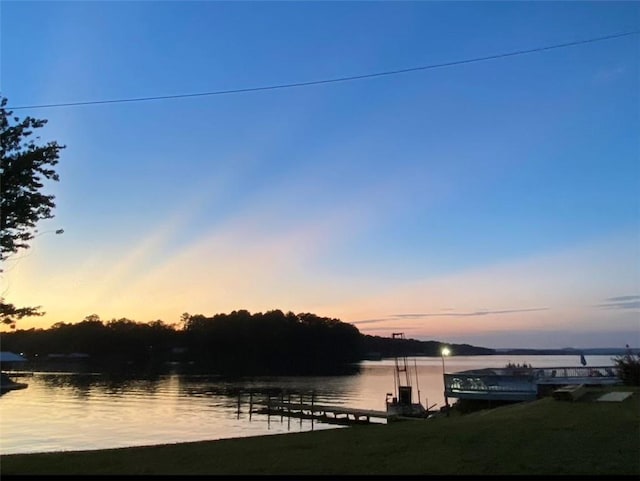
<point x="313" y="394"/>
<point x="301" y="410"/>
<point x="238" y="415"/>
<point x="250" y="404"/>
<point x="281" y="407"/>
<point x="268" y="411"/>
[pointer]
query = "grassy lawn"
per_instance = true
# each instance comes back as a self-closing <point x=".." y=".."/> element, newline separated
<point x="540" y="437"/>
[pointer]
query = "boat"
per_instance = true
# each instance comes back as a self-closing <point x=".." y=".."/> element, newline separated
<point x="8" y="384"/>
<point x="402" y="405"/>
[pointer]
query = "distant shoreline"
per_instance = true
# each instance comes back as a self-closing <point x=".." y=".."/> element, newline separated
<point x="569" y="351"/>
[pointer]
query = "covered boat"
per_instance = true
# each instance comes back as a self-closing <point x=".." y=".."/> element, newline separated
<point x="6" y="383"/>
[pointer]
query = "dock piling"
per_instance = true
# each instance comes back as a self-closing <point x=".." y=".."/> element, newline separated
<point x="268" y="410"/>
<point x="301" y="410"/>
<point x="281" y="407"/>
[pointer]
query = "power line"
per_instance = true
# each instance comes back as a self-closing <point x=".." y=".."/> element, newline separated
<point x="333" y="80"/>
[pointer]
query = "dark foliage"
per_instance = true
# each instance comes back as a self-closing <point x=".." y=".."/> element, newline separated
<point x="271" y="342"/>
<point x="115" y="344"/>
<point x="239" y="343"/>
<point x="628" y="367"/>
<point x="9" y="313"/>
<point x="388" y="347"/>
<point x="24" y="167"/>
<point x="235" y="344"/>
<point x="513" y="365"/>
<point x="232" y="344"/>
<point x="467" y="406"/>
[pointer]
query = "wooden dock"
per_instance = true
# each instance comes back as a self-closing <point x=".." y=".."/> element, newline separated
<point x="320" y="412"/>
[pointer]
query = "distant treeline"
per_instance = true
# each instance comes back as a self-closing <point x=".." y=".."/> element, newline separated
<point x="376" y="346"/>
<point x="567" y="351"/>
<point x="237" y="343"/>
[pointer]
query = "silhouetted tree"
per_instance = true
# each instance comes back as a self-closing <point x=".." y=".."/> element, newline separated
<point x="270" y="342"/>
<point x="389" y="347"/>
<point x="628" y="367"/>
<point x="238" y="343"/>
<point x="24" y="166"/>
<point x="9" y="313"/>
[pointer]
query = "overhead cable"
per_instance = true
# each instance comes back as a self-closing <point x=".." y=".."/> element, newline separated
<point x="332" y="80"/>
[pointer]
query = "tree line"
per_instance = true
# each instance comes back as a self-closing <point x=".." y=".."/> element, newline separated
<point x="238" y="343"/>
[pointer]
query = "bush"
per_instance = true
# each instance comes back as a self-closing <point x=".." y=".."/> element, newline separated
<point x="467" y="406"/>
<point x="628" y="367"/>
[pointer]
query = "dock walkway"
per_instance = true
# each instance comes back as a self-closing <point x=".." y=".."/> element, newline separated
<point x="326" y="413"/>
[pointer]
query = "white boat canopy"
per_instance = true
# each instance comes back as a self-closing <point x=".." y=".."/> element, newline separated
<point x="7" y="356"/>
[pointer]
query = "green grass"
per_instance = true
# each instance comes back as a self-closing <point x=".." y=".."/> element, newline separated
<point x="540" y="437"/>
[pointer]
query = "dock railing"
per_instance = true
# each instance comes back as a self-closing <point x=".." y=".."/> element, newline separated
<point x="304" y="405"/>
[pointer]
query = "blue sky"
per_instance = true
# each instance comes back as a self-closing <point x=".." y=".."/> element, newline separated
<point x="494" y="203"/>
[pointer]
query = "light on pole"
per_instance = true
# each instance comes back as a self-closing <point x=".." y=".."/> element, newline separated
<point x="445" y="352"/>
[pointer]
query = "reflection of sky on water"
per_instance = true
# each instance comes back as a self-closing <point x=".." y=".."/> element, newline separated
<point x="92" y="411"/>
<point x="77" y="412"/>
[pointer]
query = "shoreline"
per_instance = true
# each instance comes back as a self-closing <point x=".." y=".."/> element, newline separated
<point x="545" y="436"/>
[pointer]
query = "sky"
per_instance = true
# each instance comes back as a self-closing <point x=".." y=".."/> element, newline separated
<point x="493" y="203"/>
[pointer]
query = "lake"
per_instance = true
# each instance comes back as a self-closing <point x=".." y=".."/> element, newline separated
<point x="73" y="411"/>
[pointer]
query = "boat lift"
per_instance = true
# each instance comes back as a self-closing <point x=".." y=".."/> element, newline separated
<point x="402" y="403"/>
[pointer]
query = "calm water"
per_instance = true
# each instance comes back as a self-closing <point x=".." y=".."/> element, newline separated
<point x="67" y="411"/>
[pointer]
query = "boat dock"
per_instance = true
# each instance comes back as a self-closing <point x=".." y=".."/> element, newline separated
<point x="284" y="406"/>
<point x="325" y="413"/>
<point x="522" y="384"/>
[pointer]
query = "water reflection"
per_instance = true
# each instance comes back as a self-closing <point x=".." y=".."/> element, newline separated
<point x="63" y="411"/>
<point x="66" y="411"/>
<point x="84" y="384"/>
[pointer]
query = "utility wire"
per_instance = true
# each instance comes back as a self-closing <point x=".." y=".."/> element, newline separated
<point x="333" y="80"/>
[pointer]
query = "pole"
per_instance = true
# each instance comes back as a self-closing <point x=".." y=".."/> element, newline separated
<point x="281" y="407"/>
<point x="415" y="364"/>
<point x="268" y="411"/>
<point x="444" y="383"/>
<point x="312" y="408"/>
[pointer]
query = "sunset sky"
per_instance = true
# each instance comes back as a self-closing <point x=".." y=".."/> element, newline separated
<point x="494" y="203"/>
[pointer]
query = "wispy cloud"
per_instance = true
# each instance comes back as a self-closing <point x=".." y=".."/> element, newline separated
<point x="622" y="298"/>
<point x="621" y="302"/>
<point x="398" y="317"/>
<point x="609" y="74"/>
